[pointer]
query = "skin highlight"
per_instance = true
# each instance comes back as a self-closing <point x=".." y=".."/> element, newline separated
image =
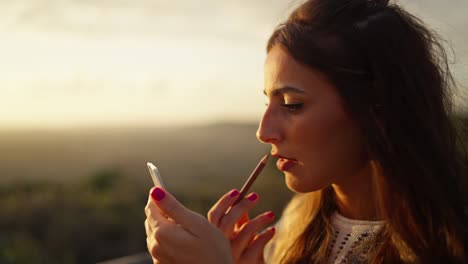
<point x="359" y="115"/>
<point x="306" y="122"/>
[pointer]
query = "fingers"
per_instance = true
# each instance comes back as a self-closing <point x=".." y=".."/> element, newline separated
<point x="154" y="215"/>
<point x="170" y="207"/>
<point x="242" y="220"/>
<point x="148" y="228"/>
<point x="248" y="232"/>
<point x="254" y="253"/>
<point x="154" y="248"/>
<point x="229" y="220"/>
<point x="220" y="208"/>
<point x="151" y="244"/>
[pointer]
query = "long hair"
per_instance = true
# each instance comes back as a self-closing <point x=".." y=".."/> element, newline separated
<point x="393" y="75"/>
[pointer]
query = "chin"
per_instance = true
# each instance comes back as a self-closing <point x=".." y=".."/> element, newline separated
<point x="297" y="184"/>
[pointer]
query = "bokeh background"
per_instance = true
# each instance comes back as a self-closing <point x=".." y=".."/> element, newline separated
<point x="92" y="90"/>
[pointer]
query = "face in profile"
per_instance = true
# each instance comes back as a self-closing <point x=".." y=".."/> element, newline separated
<point x="316" y="141"/>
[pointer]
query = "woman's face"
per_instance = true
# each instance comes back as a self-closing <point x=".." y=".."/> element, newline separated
<point x="316" y="141"/>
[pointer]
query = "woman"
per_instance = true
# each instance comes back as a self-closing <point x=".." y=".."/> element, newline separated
<point x="358" y="116"/>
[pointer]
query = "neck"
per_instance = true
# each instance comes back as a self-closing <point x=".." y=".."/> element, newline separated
<point x="355" y="195"/>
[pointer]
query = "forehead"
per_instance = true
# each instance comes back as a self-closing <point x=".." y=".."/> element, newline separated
<point x="279" y="62"/>
<point x="282" y="70"/>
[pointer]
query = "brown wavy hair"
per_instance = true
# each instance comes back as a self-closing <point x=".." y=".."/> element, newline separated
<point x="393" y="75"/>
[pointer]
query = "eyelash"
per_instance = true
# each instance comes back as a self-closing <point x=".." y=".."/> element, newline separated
<point x="293" y="107"/>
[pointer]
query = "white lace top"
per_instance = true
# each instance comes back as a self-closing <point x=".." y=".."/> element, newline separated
<point x="347" y="234"/>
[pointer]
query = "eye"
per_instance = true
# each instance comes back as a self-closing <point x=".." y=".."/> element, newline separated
<point x="293" y="107"/>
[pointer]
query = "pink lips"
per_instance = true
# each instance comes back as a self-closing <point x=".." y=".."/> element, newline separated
<point x="284" y="164"/>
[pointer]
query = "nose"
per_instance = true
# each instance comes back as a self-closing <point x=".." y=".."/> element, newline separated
<point x="268" y="131"/>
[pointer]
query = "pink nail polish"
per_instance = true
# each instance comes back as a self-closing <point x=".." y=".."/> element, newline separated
<point x="252" y="197"/>
<point x="270" y="214"/>
<point x="234" y="193"/>
<point x="158" y="194"/>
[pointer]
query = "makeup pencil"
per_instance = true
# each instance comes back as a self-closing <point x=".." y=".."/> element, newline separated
<point x="252" y="178"/>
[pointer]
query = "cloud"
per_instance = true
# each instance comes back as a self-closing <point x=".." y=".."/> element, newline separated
<point x="86" y="51"/>
<point x="226" y="19"/>
<point x="235" y="20"/>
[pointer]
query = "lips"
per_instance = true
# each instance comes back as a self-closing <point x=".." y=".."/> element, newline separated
<point x="284" y="163"/>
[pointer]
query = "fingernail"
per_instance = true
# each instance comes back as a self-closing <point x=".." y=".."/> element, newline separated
<point x="273" y="229"/>
<point x="234" y="193"/>
<point x="252" y="197"/>
<point x="158" y="194"/>
<point x="270" y="214"/>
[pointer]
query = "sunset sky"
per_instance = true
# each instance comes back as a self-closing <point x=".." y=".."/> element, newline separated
<point x="100" y="62"/>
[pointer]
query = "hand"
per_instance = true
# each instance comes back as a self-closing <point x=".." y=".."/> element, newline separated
<point x="176" y="235"/>
<point x="247" y="246"/>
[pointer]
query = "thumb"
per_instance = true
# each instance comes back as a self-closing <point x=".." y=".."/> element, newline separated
<point x="169" y="205"/>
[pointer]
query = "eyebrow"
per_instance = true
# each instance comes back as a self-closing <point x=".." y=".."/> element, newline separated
<point x="285" y="89"/>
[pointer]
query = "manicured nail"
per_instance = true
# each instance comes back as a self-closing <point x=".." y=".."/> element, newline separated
<point x="158" y="194"/>
<point x="234" y="193"/>
<point x="252" y="197"/>
<point x="270" y="214"/>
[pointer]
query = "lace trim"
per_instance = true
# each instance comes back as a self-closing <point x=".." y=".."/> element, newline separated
<point x="348" y="235"/>
<point x="338" y="219"/>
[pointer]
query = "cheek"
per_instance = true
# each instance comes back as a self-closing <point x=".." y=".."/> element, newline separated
<point x="333" y="146"/>
<point x="349" y="148"/>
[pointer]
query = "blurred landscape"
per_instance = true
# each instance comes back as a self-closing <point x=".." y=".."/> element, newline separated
<point x="77" y="196"/>
<point x="78" y="78"/>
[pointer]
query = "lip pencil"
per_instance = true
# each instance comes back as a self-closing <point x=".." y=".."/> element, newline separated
<point x="253" y="176"/>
